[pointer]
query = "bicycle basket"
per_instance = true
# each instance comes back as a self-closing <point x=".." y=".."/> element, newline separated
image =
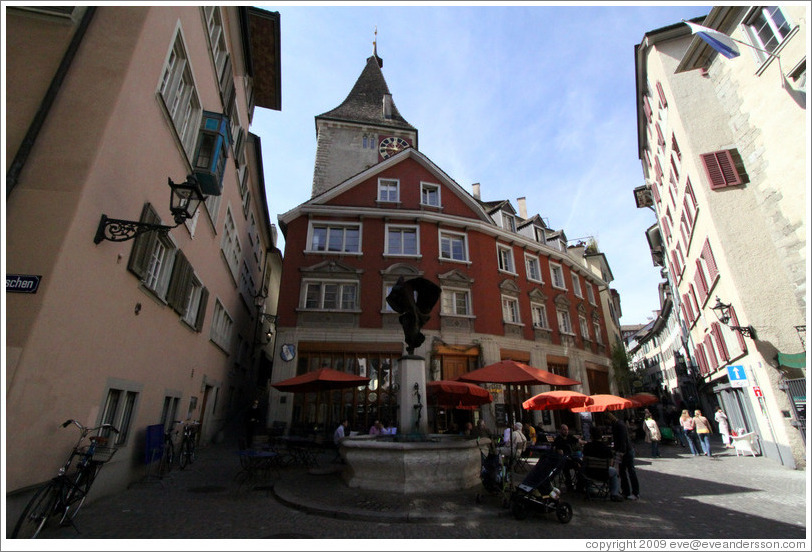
<point x="101" y="454"/>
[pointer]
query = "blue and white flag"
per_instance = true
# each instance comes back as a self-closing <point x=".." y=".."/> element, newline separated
<point x="716" y="40"/>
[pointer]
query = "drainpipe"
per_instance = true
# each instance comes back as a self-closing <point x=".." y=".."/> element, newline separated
<point x="45" y="107"/>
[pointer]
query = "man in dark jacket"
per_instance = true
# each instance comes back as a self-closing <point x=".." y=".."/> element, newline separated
<point x="624" y="449"/>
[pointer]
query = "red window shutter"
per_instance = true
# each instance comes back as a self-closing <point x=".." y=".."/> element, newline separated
<point x="707" y="254"/>
<point x="694" y="302"/>
<point x="688" y="217"/>
<point x="675" y="147"/>
<point x="647" y="108"/>
<point x="734" y="321"/>
<point x="660" y="138"/>
<point x="714" y="363"/>
<point x="699" y="354"/>
<point x="689" y="192"/>
<point x="658" y="170"/>
<point x="700" y="282"/>
<point x="661" y="92"/>
<point x="686" y="306"/>
<point x="675" y="263"/>
<point x="666" y="230"/>
<point x="685" y="314"/>
<point x="720" y="169"/>
<point x="655" y="193"/>
<point x="716" y="328"/>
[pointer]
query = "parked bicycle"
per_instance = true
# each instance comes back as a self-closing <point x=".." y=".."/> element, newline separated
<point x="63" y="496"/>
<point x="187" y="445"/>
<point x="168" y="454"/>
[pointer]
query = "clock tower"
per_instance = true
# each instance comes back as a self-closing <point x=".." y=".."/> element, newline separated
<point x="364" y="130"/>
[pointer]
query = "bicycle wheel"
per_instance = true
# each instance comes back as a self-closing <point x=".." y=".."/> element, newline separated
<point x="192" y="449"/>
<point x="74" y="497"/>
<point x="167" y="459"/>
<point x="185" y="453"/>
<point x="39" y="509"/>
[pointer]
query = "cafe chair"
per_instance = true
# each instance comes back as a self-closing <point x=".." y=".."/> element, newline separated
<point x="594" y="477"/>
<point x="744" y="443"/>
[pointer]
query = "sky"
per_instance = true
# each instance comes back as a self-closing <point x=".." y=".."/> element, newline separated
<point x="528" y="99"/>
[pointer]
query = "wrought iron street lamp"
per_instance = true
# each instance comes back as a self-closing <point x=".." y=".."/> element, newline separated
<point x="722" y="312"/>
<point x="184" y="200"/>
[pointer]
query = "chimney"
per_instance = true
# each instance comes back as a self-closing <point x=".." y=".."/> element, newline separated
<point x="475" y="186"/>
<point x="522" y="207"/>
<point x="387" y="106"/>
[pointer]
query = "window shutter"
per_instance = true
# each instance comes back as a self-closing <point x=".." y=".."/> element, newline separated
<point x="179" y="284"/>
<point x="714" y="363"/>
<point x="686" y="307"/>
<point x="699" y="354"/>
<point x="699" y="279"/>
<point x="647" y="108"/>
<point x="658" y="169"/>
<point x="694" y="303"/>
<point x="201" y="309"/>
<point x="675" y="147"/>
<point x="734" y="321"/>
<point x="688" y="218"/>
<point x="660" y="137"/>
<point x="661" y="92"/>
<point x="655" y="193"/>
<point x="716" y="329"/>
<point x="720" y="169"/>
<point x="707" y="254"/>
<point x="143" y="244"/>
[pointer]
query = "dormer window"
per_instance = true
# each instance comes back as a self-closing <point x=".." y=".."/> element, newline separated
<point x="508" y="222"/>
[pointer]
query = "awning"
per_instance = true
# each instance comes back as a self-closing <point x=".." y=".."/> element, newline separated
<point x="797" y="360"/>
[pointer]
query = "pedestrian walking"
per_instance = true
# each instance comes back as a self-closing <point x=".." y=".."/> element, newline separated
<point x="724" y="426"/>
<point x="624" y="454"/>
<point x="703" y="431"/>
<point x="653" y="435"/>
<point x="689" y="428"/>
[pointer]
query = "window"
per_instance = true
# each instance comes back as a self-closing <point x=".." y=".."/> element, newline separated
<point x="455" y="302"/>
<point x="453" y="246"/>
<point x="388" y="190"/>
<point x="720" y="169"/>
<point x="429" y="194"/>
<point x="510" y="310"/>
<point x="330" y="295"/>
<point x="597" y="327"/>
<point x="576" y="285"/>
<point x="118" y="412"/>
<point x="557" y="274"/>
<point x="767" y="28"/>
<point x="539" y="234"/>
<point x="564" y="323"/>
<point x="230" y="244"/>
<point x="335" y="238"/>
<point x="217" y="40"/>
<point x="402" y="240"/>
<point x="539" y="313"/>
<point x="169" y="413"/>
<point x="222" y="327"/>
<point x="590" y="293"/>
<point x="508" y="222"/>
<point x="661" y="93"/>
<point x="584" y="327"/>
<point x="179" y="95"/>
<point x="152" y="256"/>
<point x="709" y="263"/>
<point x="505" y="256"/>
<point x="533" y="268"/>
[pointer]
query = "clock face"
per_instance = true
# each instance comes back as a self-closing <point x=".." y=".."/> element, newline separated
<point x="390" y="146"/>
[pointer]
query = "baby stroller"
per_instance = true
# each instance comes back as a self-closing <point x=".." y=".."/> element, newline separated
<point x="536" y="491"/>
<point x="495" y="476"/>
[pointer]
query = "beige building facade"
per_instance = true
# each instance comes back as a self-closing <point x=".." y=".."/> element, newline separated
<point x="724" y="144"/>
<point x="105" y="105"/>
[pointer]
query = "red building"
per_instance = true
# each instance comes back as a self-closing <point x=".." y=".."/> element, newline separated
<point x="380" y="209"/>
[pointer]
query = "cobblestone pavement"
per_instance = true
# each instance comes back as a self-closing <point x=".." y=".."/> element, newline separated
<point x="682" y="497"/>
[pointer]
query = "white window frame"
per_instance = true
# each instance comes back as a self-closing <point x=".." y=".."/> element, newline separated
<point x="222" y="327"/>
<point x="388" y="190"/>
<point x="529" y="261"/>
<point x="590" y="292"/>
<point x="451" y="238"/>
<point x="539" y="314"/>
<point x="504" y="256"/>
<point x="230" y="244"/>
<point x="330" y="228"/>
<point x="768" y="21"/>
<point x="193" y="301"/>
<point x="402" y="228"/>
<point x="510" y="310"/>
<point x="576" y="285"/>
<point x="451" y="300"/>
<point x="428" y="188"/>
<point x="597" y="327"/>
<point x="508" y="222"/>
<point x="178" y="93"/>
<point x="342" y="287"/>
<point x="557" y="276"/>
<point x="564" y="322"/>
<point x="583" y="326"/>
<point x="120" y="405"/>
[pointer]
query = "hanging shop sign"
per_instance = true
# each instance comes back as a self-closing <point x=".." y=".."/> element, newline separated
<point x="22" y="283"/>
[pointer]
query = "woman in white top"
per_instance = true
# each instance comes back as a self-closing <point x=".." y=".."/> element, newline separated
<point x="724" y="427"/>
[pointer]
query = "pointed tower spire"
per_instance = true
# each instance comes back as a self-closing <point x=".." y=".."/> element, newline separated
<point x="375" y="49"/>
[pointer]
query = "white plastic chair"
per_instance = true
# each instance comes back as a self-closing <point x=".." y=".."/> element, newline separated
<point x="744" y="443"/>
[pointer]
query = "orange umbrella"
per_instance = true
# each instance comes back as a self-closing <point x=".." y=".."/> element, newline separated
<point x="458" y="394"/>
<point x="556" y="400"/>
<point x="510" y="372"/>
<point x="644" y="398"/>
<point x="602" y="403"/>
<point x="320" y="380"/>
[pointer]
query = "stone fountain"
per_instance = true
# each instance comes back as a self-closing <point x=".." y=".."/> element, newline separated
<point x="413" y="461"/>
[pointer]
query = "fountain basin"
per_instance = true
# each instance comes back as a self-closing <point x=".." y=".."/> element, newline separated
<point x="439" y="463"/>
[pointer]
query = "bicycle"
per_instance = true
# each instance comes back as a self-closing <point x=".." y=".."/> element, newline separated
<point x="65" y="494"/>
<point x="168" y="453"/>
<point x="187" y="445"/>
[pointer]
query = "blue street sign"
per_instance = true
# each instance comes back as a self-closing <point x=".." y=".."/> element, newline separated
<point x="737" y="376"/>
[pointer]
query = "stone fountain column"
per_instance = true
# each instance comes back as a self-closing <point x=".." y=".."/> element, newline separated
<point x="411" y="372"/>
